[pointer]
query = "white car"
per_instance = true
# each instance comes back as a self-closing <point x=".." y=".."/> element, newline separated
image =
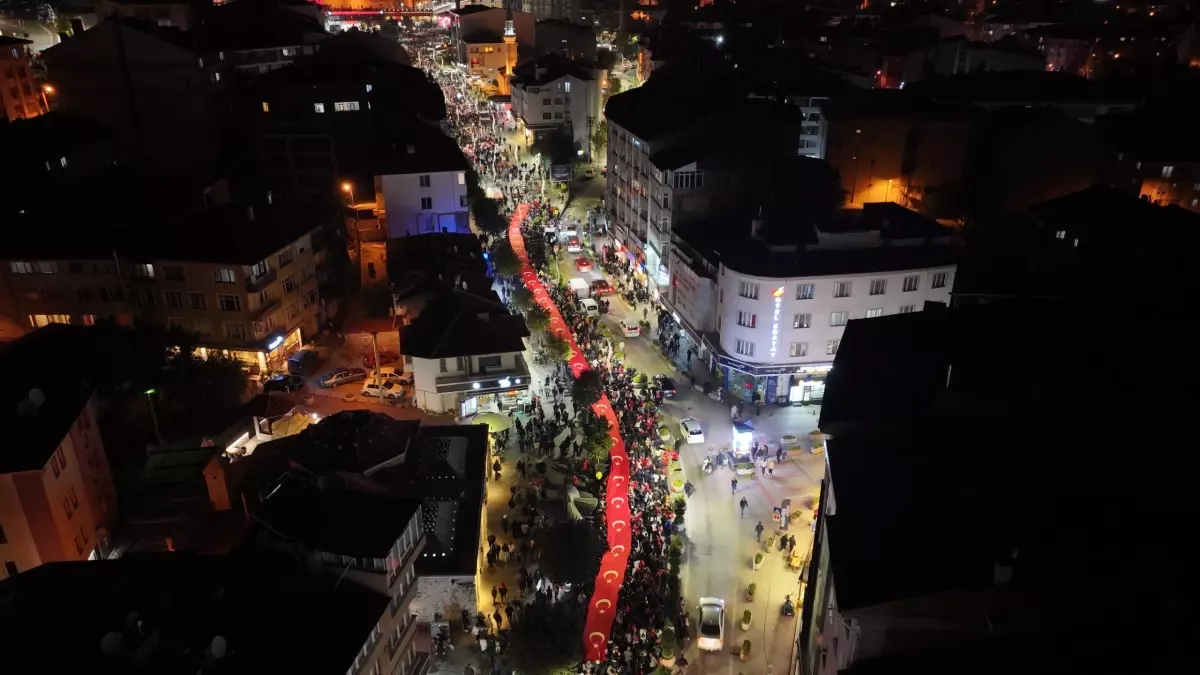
<point x="573" y="245"/>
<point x="711" y="636"/>
<point x="389" y="374"/>
<point x="628" y="329"/>
<point x="691" y="431"/>
<point x="383" y="390"/>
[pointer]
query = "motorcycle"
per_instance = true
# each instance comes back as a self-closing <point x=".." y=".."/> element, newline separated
<point x="708" y="465"/>
<point x="788" y="609"/>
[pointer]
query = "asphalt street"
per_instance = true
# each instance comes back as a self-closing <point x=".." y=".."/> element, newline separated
<point x="42" y="36"/>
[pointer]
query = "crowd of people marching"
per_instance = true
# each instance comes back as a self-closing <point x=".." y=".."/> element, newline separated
<point x="642" y="615"/>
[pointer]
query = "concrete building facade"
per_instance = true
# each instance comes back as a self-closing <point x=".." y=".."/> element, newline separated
<point x="20" y="97"/>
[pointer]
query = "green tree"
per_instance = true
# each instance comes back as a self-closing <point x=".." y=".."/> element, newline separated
<point x="488" y="218"/>
<point x="586" y="389"/>
<point x="614" y="85"/>
<point x="600" y="138"/>
<point x="570" y="552"/>
<point x="537" y="318"/>
<point x="558" y="147"/>
<point x="522" y="299"/>
<point x="505" y="260"/>
<point x="597" y="440"/>
<point x="557" y="349"/>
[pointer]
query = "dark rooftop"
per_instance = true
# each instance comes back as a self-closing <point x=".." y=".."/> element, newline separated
<point x="426" y="150"/>
<point x="1019" y="86"/>
<point x="483" y="37"/>
<point x="437" y="252"/>
<point x="458" y="323"/>
<point x="550" y="67"/>
<point x="669" y="102"/>
<point x="51" y="136"/>
<point x="31" y="364"/>
<point x="8" y="41"/>
<point x="440" y="470"/>
<point x="226" y="234"/>
<point x="473" y="9"/>
<point x="162" y="613"/>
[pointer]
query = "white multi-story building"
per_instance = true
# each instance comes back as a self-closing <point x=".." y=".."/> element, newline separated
<point x="778" y="314"/>
<point x="552" y="92"/>
<point x="421" y="187"/>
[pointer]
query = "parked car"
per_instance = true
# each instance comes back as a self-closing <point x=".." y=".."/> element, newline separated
<point x="389" y="374"/>
<point x="303" y="362"/>
<point x="666" y="385"/>
<point x="382" y="390"/>
<point x="284" y="383"/>
<point x="583" y="264"/>
<point x="590" y="308"/>
<point x="601" y="287"/>
<point x="341" y="376"/>
<point x="691" y="431"/>
<point x="711" y="636"/>
<point x="573" y="245"/>
<point x="629" y="329"/>
<point x="589" y="173"/>
<point x="385" y="357"/>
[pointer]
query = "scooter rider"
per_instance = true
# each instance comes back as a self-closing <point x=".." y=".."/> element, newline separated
<point x="708" y="465"/>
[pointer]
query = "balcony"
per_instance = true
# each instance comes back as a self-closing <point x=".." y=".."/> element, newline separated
<point x="397" y="643"/>
<point x="256" y="284"/>
<point x="258" y="314"/>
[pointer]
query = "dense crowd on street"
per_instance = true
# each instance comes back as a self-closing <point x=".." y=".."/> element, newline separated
<point x="642" y="614"/>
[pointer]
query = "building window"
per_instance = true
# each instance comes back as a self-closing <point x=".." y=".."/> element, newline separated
<point x="747" y="319"/>
<point x="748" y="290"/>
<point x="442" y="366"/>
<point x="21" y="267"/>
<point x="841" y="289"/>
<point x="369" y="88"/>
<point x="142" y="271"/>
<point x="939" y="280"/>
<point x="907" y="309"/>
<point x="462" y="201"/>
<point x="462" y="178"/>
<point x="285" y="257"/>
<point x="62" y="162"/>
<point x="289" y="284"/>
<point x="838" y="318"/>
<point x="831" y="347"/>
<point x="687" y="179"/>
<point x="872" y="313"/>
<point x="802" y="321"/>
<point x="266" y="106"/>
<point x="197" y="301"/>
<point x="1167" y="171"/>
<point x="229" y="303"/>
<point x="345" y="106"/>
<point x="224" y="275"/>
<point x="318" y="107"/>
<point x="744" y="347"/>
<point x="235" y="331"/>
<point x="878" y="286"/>
<point x="259" y="269"/>
<point x="3" y="537"/>
<point x="545" y="101"/>
<point x="89" y="319"/>
<point x="293" y="311"/>
<point x="912" y="283"/>
<point x="173" y="299"/>
<point x="84" y="295"/>
<point x="545" y="115"/>
<point x="805" y="292"/>
<point x="173" y="272"/>
<point x="426" y="203"/>
<point x="148" y="298"/>
<point x="39" y="320"/>
<point x="424" y="180"/>
<point x="310" y="298"/>
<point x="10" y="567"/>
<point x="798" y="349"/>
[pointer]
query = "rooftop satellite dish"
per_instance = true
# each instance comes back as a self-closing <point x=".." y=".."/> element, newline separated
<point x="37" y="396"/>
<point x="219" y="647"/>
<point x="113" y="644"/>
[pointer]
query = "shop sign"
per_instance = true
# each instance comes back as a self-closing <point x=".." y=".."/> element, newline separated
<point x="777" y="305"/>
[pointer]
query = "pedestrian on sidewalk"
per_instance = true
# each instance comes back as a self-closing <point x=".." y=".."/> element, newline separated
<point x="498" y="618"/>
<point x="744" y="503"/>
<point x="504" y="523"/>
<point x="496" y="591"/>
<point x="770" y="467"/>
<point x="758" y="530"/>
<point x="734" y="484"/>
<point x="496" y="469"/>
<point x="509" y="611"/>
<point x="791" y="544"/>
<point x="779" y="454"/>
<point x="762" y="466"/>
<point x="503" y="593"/>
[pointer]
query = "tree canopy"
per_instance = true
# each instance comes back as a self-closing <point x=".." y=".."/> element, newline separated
<point x="487" y="216"/>
<point x="505" y="260"/>
<point x="558" y="147"/>
<point x="536" y="317"/>
<point x="571" y="552"/>
<point x="586" y="389"/>
<point x="557" y="349"/>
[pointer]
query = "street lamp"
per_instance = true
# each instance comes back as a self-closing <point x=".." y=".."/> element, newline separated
<point x="153" y="415"/>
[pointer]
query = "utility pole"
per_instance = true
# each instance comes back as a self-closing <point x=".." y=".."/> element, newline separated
<point x="153" y="415"/>
<point x="375" y="348"/>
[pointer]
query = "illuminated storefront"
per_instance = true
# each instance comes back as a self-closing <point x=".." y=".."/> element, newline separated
<point x="272" y="356"/>
<point x="496" y="396"/>
<point x="774" y="384"/>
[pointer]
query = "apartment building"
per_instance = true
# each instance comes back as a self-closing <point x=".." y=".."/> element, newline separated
<point x="780" y="310"/>
<point x="20" y="97"/>
<point x="486" y="55"/>
<point x="421" y="186"/>
<point x="552" y="92"/>
<point x="179" y="14"/>
<point x="466" y="351"/>
<point x="251" y="610"/>
<point x="247" y="285"/>
<point x="57" y="500"/>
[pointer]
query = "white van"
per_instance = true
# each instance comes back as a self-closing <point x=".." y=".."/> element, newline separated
<point x="580" y="288"/>
<point x="590" y="308"/>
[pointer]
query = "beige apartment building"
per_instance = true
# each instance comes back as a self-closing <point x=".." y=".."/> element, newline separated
<point x="247" y="285"/>
<point x="57" y="500"/>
